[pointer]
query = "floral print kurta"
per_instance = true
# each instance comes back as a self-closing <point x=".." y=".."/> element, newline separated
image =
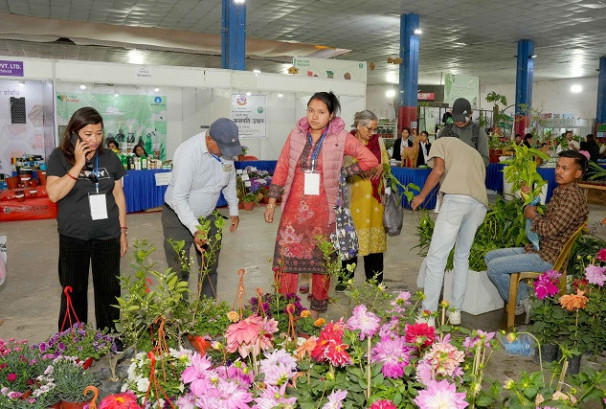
<point x="303" y="219"/>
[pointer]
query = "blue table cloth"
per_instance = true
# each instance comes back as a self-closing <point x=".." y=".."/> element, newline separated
<point x="141" y="191"/>
<point x="418" y="177"/>
<point x="268" y="165"/>
<point x="494" y="177"/>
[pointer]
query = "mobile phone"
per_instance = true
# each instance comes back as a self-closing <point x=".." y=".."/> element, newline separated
<point x="73" y="138"/>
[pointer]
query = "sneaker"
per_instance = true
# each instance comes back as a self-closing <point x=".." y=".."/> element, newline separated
<point x="454" y="317"/>
<point x="341" y="286"/>
<point x="527" y="305"/>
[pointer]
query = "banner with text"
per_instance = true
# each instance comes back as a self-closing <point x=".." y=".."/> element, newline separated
<point x="248" y="112"/>
<point x="129" y="119"/>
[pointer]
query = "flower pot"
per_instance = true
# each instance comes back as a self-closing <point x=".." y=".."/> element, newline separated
<point x="73" y="405"/>
<point x="549" y="353"/>
<point x="56" y="405"/>
<point x="248" y="205"/>
<point x="12" y="182"/>
<point x="41" y="177"/>
<point x="574" y="364"/>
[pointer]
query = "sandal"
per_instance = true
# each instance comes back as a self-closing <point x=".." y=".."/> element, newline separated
<point x="304" y="289"/>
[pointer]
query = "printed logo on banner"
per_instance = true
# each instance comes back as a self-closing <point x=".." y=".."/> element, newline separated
<point x="158" y="100"/>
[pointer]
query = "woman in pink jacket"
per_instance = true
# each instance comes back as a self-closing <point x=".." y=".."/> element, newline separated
<point x="307" y="179"/>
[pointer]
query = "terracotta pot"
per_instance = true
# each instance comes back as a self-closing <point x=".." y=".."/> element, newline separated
<point x="248" y="205"/>
<point x="73" y="405"/>
<point x="12" y="182"/>
<point x="41" y="177"/>
<point x="56" y="405"/>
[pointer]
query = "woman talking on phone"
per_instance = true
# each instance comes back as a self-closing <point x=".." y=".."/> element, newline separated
<point x="85" y="181"/>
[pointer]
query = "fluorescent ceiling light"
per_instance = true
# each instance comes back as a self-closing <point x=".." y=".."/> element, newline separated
<point x="248" y="94"/>
<point x="257" y="71"/>
<point x="576" y="88"/>
<point x="82" y="86"/>
<point x="136" y="57"/>
<point x="390" y="93"/>
<point x="156" y="89"/>
<point x="418" y="31"/>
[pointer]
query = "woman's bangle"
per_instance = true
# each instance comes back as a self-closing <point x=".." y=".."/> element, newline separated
<point x="123" y="228"/>
<point x="270" y="206"/>
<point x="70" y="175"/>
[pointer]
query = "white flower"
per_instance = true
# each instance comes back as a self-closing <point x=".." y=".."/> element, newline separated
<point x="142" y="384"/>
<point x="131" y="370"/>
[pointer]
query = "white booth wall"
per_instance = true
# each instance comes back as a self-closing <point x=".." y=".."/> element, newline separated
<point x="197" y="96"/>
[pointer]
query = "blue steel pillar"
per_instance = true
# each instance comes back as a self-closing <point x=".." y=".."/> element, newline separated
<point x="524" y="75"/>
<point x="600" y="116"/>
<point x="233" y="35"/>
<point x="409" y="72"/>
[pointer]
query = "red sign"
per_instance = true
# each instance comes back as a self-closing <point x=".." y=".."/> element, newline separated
<point x="426" y="96"/>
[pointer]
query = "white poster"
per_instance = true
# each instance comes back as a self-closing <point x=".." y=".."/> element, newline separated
<point x="329" y="68"/>
<point x="248" y="112"/>
<point x="461" y="86"/>
<point x="24" y="131"/>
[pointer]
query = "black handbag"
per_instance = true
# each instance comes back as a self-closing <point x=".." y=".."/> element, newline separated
<point x="344" y="238"/>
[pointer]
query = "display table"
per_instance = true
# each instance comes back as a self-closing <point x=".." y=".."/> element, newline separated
<point x="141" y="191"/>
<point x="34" y="208"/>
<point x="418" y="177"/>
<point x="268" y="165"/>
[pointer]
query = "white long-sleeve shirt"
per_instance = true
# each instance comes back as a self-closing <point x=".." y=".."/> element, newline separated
<point x="197" y="181"/>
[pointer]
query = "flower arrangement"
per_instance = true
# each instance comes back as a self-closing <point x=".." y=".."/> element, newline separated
<point x="69" y="379"/>
<point x="156" y="379"/>
<point x="81" y="340"/>
<point x="574" y="320"/>
<point x="276" y="305"/>
<point x="20" y="365"/>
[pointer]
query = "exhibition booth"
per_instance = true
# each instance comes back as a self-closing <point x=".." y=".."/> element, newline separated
<point x="158" y="106"/>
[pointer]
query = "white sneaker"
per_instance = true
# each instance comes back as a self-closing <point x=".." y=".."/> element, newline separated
<point x="527" y="305"/>
<point x="454" y="317"/>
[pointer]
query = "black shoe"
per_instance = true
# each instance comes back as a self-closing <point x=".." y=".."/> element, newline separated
<point x="119" y="344"/>
<point x="341" y="287"/>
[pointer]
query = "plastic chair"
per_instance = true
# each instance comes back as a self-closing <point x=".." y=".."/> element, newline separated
<point x="560" y="266"/>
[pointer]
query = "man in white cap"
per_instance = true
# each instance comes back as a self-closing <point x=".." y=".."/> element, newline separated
<point x="469" y="132"/>
<point x="202" y="169"/>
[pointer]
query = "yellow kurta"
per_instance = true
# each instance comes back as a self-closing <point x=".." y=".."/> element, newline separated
<point x="366" y="211"/>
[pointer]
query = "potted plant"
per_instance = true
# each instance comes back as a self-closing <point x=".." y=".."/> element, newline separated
<point x="249" y="200"/>
<point x="82" y="341"/>
<point x="70" y="379"/>
<point x="496" y="100"/>
<point x="20" y="365"/>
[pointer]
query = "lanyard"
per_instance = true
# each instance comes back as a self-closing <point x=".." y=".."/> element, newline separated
<point x="96" y="172"/>
<point x="218" y="159"/>
<point x="316" y="151"/>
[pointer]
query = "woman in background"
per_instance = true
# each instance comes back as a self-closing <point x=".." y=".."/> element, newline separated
<point x="424" y="147"/>
<point x="366" y="203"/>
<point x="307" y="179"/>
<point x="400" y="143"/>
<point x="139" y="150"/>
<point x="113" y="145"/>
<point x="85" y="181"/>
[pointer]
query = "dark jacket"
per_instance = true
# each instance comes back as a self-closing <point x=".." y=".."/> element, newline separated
<point x="421" y="158"/>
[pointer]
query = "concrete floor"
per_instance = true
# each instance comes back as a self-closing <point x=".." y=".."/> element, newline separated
<point x="29" y="298"/>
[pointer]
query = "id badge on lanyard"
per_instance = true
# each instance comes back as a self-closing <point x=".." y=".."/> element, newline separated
<point x="97" y="201"/>
<point x="312" y="183"/>
<point x="312" y="178"/>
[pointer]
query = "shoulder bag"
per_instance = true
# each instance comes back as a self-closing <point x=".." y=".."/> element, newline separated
<point x="344" y="238"/>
